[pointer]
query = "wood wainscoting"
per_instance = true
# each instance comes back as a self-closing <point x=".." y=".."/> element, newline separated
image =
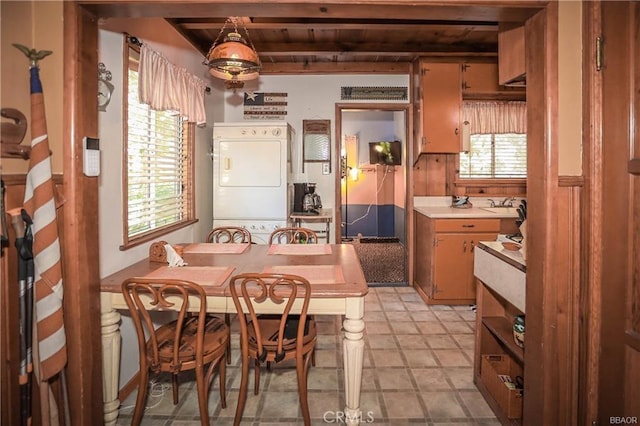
<point x="437" y="175"/>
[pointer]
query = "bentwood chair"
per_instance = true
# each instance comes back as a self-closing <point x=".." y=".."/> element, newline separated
<point x="293" y="235"/>
<point x="229" y="234"/>
<point x="190" y="342"/>
<point x="273" y="338"/>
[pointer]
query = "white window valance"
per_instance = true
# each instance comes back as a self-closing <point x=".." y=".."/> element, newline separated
<point x="167" y="87"/>
<point x="494" y="117"/>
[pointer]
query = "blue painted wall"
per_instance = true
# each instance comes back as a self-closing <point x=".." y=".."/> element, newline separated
<point x="385" y="220"/>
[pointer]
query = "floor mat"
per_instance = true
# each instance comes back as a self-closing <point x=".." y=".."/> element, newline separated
<point x="383" y="263"/>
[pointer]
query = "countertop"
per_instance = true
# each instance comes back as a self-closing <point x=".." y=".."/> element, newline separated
<point x="440" y="212"/>
<point x="512" y="257"/>
<point x="440" y="208"/>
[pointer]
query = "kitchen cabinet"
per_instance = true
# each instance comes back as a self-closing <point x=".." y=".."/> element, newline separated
<point x="479" y="78"/>
<point x="480" y="82"/>
<point x="511" y="56"/>
<point x="438" y="107"/>
<point x="496" y="351"/>
<point x="444" y="257"/>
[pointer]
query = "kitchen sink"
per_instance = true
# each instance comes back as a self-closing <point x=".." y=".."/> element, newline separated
<point x="503" y="210"/>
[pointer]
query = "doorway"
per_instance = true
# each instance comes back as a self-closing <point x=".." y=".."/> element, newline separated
<point x="372" y="182"/>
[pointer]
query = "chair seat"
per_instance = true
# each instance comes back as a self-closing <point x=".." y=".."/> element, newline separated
<point x="269" y="325"/>
<point x="215" y="336"/>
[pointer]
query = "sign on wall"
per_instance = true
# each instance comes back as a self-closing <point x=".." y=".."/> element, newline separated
<point x="369" y="93"/>
<point x="265" y="106"/>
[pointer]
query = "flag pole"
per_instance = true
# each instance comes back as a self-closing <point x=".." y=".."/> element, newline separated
<point x="24" y="257"/>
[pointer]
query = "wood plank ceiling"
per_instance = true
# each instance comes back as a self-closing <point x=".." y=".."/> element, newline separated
<point x="325" y="37"/>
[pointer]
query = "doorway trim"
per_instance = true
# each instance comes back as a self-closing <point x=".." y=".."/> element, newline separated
<point x="408" y="155"/>
<point x="81" y="116"/>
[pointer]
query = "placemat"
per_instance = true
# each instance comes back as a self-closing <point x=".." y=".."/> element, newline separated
<point x="299" y="249"/>
<point x="204" y="275"/>
<point x="219" y="248"/>
<point x="315" y="274"/>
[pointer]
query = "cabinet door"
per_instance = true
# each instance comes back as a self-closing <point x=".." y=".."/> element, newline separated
<point x="451" y="267"/>
<point x="480" y="78"/>
<point x="441" y="103"/>
<point x="423" y="253"/>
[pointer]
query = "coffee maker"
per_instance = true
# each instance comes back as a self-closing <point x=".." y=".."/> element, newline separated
<point x="305" y="199"/>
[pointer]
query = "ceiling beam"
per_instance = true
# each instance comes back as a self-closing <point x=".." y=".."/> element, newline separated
<point x="379" y="26"/>
<point x="368" y="49"/>
<point x="292" y="68"/>
<point x="467" y="10"/>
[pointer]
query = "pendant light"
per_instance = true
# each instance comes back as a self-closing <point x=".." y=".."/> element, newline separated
<point x="234" y="59"/>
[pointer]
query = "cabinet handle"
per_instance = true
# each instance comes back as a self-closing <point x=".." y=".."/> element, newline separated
<point x="473" y="245"/>
<point x="468" y="226"/>
<point x="464" y="247"/>
<point x="457" y="131"/>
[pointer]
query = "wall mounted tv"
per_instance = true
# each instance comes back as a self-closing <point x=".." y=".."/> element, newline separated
<point x="388" y="153"/>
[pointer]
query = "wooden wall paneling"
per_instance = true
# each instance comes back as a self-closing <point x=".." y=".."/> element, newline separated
<point x="590" y="297"/>
<point x="633" y="298"/>
<point x="568" y="290"/>
<point x="616" y="367"/>
<point x="516" y="187"/>
<point x="6" y="375"/>
<point x="82" y="284"/>
<point x="543" y="402"/>
<point x="10" y="296"/>
<point x="632" y="333"/>
<point x="430" y="175"/>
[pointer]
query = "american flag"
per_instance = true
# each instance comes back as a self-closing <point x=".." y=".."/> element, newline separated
<point x="39" y="203"/>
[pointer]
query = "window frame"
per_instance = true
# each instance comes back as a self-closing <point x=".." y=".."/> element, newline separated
<point x="189" y="180"/>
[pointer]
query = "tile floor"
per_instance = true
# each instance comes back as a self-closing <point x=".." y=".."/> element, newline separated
<point x="417" y="370"/>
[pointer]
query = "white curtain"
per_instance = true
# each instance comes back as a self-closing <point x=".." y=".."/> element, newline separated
<point x="486" y="117"/>
<point x="166" y="87"/>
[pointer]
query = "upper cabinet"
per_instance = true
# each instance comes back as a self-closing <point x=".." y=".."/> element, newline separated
<point x="438" y="106"/>
<point x="439" y="89"/>
<point x="511" y="63"/>
<point x="480" y="82"/>
<point x="479" y="79"/>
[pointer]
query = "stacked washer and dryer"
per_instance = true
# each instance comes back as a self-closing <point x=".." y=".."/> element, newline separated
<point x="252" y="176"/>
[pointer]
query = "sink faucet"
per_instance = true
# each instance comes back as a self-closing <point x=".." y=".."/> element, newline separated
<point x="508" y="202"/>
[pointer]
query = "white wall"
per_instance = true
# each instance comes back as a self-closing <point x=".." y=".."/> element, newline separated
<point x="311" y="97"/>
<point x="112" y="259"/>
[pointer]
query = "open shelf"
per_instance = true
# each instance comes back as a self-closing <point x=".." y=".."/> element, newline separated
<point x="502" y="329"/>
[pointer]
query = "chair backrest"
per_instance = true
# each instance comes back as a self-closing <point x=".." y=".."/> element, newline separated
<point x="293" y="235"/>
<point x="229" y="234"/>
<point x="144" y="295"/>
<point x="251" y="289"/>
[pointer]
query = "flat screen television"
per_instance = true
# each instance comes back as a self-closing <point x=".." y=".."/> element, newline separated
<point x="388" y="153"/>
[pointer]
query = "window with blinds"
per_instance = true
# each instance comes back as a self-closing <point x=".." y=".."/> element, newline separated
<point x="495" y="156"/>
<point x="158" y="167"/>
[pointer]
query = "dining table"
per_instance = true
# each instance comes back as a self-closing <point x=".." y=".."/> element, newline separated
<point x="338" y="287"/>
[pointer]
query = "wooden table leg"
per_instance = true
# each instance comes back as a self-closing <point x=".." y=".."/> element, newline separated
<point x="110" y="320"/>
<point x="353" y="352"/>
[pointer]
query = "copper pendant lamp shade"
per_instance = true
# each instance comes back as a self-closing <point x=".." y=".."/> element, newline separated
<point x="234" y="59"/>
